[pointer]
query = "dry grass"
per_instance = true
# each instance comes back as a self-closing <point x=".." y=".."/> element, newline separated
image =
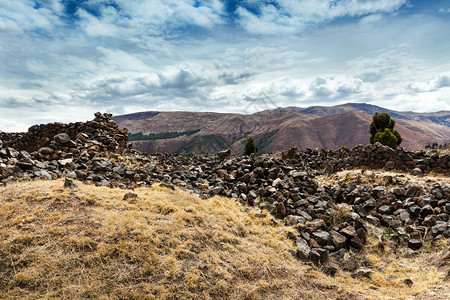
<point x="380" y="177"/>
<point x="88" y="243"/>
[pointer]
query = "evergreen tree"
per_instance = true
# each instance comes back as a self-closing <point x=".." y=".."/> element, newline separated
<point x="250" y="146"/>
<point x="382" y="130"/>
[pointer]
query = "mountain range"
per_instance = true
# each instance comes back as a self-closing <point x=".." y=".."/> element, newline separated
<point x="277" y="129"/>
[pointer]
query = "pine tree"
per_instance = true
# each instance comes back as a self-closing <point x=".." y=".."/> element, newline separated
<point x="382" y="130"/>
<point x="250" y="146"/>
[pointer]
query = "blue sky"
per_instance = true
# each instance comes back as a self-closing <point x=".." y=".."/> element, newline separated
<point x="62" y="60"/>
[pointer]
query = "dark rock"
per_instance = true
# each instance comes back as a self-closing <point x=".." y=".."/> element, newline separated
<point x="416" y="171"/>
<point x="224" y="154"/>
<point x="349" y="264"/>
<point x="70" y="184"/>
<point x="62" y="138"/>
<point x="338" y="239"/>
<point x="415" y="244"/>
<point x="130" y="195"/>
<point x="330" y="268"/>
<point x="323" y="255"/>
<point x="408" y="282"/>
<point x="314" y="257"/>
<point x="322" y="237"/>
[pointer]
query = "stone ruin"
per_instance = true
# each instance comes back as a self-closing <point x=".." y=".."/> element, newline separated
<point x="329" y="221"/>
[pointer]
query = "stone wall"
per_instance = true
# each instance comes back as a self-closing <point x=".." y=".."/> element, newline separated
<point x="103" y="132"/>
<point x="376" y="156"/>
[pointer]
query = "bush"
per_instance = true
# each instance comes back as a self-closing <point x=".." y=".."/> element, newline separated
<point x="250" y="146"/>
<point x="382" y="130"/>
<point x="386" y="138"/>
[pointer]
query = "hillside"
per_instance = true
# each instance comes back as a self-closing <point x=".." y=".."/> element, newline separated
<point x="92" y="242"/>
<point x="83" y="215"/>
<point x="276" y="130"/>
<point x="441" y="117"/>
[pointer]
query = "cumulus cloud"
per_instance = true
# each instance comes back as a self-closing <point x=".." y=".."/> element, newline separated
<point x="25" y="15"/>
<point x="288" y="16"/>
<point x="444" y="11"/>
<point x="442" y="81"/>
<point x="64" y="60"/>
<point x="336" y="87"/>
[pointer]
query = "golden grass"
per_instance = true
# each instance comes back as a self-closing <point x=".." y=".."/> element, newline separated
<point x="89" y="243"/>
<point x="380" y="177"/>
<point x="58" y="243"/>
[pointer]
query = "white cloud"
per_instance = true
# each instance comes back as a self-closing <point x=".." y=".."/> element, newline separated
<point x="179" y="55"/>
<point x="288" y="16"/>
<point x="442" y="81"/>
<point x="26" y="16"/>
<point x="444" y="11"/>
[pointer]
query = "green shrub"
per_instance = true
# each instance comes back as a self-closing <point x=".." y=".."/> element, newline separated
<point x="250" y="146"/>
<point x="382" y="130"/>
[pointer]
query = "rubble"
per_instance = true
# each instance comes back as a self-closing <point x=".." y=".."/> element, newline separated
<point x="329" y="221"/>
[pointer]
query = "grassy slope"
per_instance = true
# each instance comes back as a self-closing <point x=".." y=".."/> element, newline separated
<point x="89" y="243"/>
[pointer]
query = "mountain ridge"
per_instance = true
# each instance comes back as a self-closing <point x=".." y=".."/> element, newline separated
<point x="279" y="129"/>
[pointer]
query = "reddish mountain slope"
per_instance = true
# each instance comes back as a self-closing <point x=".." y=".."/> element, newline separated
<point x="274" y="131"/>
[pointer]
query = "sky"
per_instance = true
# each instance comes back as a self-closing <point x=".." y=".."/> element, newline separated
<point x="63" y="60"/>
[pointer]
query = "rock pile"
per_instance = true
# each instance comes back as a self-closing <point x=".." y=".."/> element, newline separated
<point x="376" y="156"/>
<point x="329" y="220"/>
<point x="52" y="150"/>
<point x="100" y="135"/>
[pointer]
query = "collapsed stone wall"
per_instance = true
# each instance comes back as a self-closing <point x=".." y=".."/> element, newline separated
<point x="58" y="136"/>
<point x="329" y="220"/>
<point x="374" y="156"/>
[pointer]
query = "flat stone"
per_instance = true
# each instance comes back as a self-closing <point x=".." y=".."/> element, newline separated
<point x="330" y="268"/>
<point x="385" y="209"/>
<point x="43" y="173"/>
<point x="416" y="171"/>
<point x="415" y="244"/>
<point x="303" y="249"/>
<point x="338" y="239"/>
<point x="348" y="231"/>
<point x="304" y="214"/>
<point x="362" y="272"/>
<point x="322" y="237"/>
<point x="373" y="220"/>
<point x="62" y="138"/>
<point x="316" y="225"/>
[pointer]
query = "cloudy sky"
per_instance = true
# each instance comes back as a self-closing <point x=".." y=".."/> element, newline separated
<point x="62" y="60"/>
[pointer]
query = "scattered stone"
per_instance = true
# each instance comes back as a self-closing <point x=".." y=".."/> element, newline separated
<point x="129" y="196"/>
<point x="416" y="171"/>
<point x="408" y="282"/>
<point x="98" y="152"/>
<point x="303" y="249"/>
<point x="224" y="154"/>
<point x="363" y="272"/>
<point x="415" y="244"/>
<point x="62" y="138"/>
<point x="70" y="184"/>
<point x="330" y="268"/>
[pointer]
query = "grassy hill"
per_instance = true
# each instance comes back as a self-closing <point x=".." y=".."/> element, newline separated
<point x="90" y="243"/>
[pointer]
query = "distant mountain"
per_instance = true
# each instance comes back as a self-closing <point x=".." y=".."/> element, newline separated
<point x="276" y="130"/>
<point x="441" y="117"/>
